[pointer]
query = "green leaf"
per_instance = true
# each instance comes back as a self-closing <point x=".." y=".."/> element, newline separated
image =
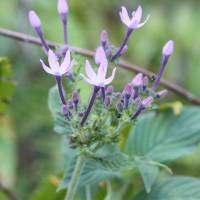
<point x="164" y="137"/>
<point x="61" y="125"/>
<point x="175" y="188"/>
<point x="149" y="174"/>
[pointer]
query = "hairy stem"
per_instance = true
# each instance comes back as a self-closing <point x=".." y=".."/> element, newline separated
<point x="75" y="177"/>
<point x="40" y="34"/>
<point x="64" y="20"/>
<point x="59" y="82"/>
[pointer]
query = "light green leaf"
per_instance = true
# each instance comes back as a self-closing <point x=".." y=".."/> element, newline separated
<point x="61" y="125"/>
<point x="175" y="188"/>
<point x="149" y="174"/>
<point x="164" y="137"/>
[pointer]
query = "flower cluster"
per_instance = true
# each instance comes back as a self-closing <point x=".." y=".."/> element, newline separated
<point x="91" y="123"/>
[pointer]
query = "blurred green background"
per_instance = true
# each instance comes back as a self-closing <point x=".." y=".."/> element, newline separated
<point x="34" y="148"/>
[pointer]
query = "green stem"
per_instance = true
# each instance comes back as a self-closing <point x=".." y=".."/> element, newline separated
<point x="120" y="128"/>
<point x="88" y="192"/>
<point x="109" y="191"/>
<point x="75" y="177"/>
<point x="96" y="148"/>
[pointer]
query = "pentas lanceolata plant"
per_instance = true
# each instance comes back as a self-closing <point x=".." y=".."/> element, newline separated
<point x="89" y="122"/>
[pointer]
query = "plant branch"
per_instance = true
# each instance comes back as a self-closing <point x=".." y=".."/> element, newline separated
<point x="171" y="86"/>
<point x="7" y="192"/>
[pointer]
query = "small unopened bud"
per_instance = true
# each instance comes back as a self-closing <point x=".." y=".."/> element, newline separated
<point x="146" y="102"/>
<point x="137" y="84"/>
<point x="100" y="93"/>
<point x="99" y="56"/>
<point x="147" y="91"/>
<point x="145" y="83"/>
<point x="107" y="101"/>
<point x="109" y="90"/>
<point x="64" y="49"/>
<point x="75" y="99"/>
<point x="168" y="48"/>
<point x="119" y="106"/>
<point x="62" y="7"/>
<point x="160" y="94"/>
<point x="72" y="146"/>
<point x="65" y="112"/>
<point x="70" y="104"/>
<point x="70" y="75"/>
<point x="123" y="51"/>
<point x="117" y="95"/>
<point x="127" y="95"/>
<point x="108" y="53"/>
<point x="137" y="101"/>
<point x="81" y="113"/>
<point x="58" y="54"/>
<point x="34" y="20"/>
<point x="104" y="40"/>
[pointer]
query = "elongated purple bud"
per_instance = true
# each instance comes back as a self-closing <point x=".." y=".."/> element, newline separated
<point x="62" y="7"/>
<point x="75" y="99"/>
<point x="109" y="90"/>
<point x="145" y="104"/>
<point x="117" y="95"/>
<point x="70" y="75"/>
<point x="123" y="51"/>
<point x="65" y="112"/>
<point x="167" y="51"/>
<point x="127" y="95"/>
<point x="104" y="40"/>
<point x="160" y="94"/>
<point x="34" y="20"/>
<point x="119" y="106"/>
<point x="107" y="101"/>
<point x="145" y="83"/>
<point x="137" y="101"/>
<point x="70" y="104"/>
<point x="108" y="53"/>
<point x="137" y="84"/>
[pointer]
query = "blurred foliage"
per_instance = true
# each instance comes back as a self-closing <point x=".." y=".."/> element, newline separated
<point x="28" y="120"/>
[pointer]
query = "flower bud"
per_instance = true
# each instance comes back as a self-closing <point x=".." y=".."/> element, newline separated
<point x="64" y="49"/>
<point x="65" y="111"/>
<point x="127" y="95"/>
<point x="145" y="83"/>
<point x="160" y="94"/>
<point x="62" y="7"/>
<point x="137" y="101"/>
<point x="147" y="91"/>
<point x="104" y="40"/>
<point x="123" y="51"/>
<point x="75" y="99"/>
<point x="109" y="90"/>
<point x="168" y="48"/>
<point x="119" y="106"/>
<point x="117" y="95"/>
<point x="81" y="113"/>
<point x="137" y="81"/>
<point x="70" y="104"/>
<point x="107" y="101"/>
<point x="58" y="55"/>
<point x="99" y="56"/>
<point x="70" y="75"/>
<point x="100" y="93"/>
<point x="146" y="102"/>
<point x="34" y="20"/>
<point x="108" y="53"/>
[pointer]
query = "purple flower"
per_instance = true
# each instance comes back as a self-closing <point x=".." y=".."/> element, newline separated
<point x="168" y="48"/>
<point x="98" y="79"/>
<point x="55" y="69"/>
<point x="136" y="17"/>
<point x="34" y="19"/>
<point x="100" y="55"/>
<point x="62" y="7"/>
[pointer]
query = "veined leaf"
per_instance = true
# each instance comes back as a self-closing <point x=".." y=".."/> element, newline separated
<point x="175" y="188"/>
<point x="61" y="125"/>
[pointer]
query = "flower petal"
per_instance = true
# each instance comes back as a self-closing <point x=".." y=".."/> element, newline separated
<point x="122" y="18"/>
<point x="88" y="80"/>
<point x="125" y="15"/>
<point x="71" y="65"/>
<point x="53" y="61"/>
<point x="109" y="80"/>
<point x="47" y="69"/>
<point x="66" y="61"/>
<point x="138" y="14"/>
<point x="133" y="24"/>
<point x="89" y="71"/>
<point x="140" y="25"/>
<point x="102" y="69"/>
